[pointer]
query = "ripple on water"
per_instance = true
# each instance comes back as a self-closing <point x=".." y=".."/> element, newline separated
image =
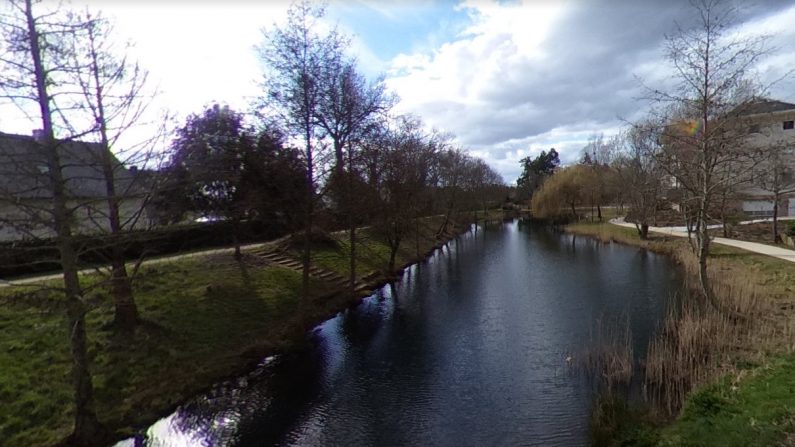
<point x="467" y="349"/>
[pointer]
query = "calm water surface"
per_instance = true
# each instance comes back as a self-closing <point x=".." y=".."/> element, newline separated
<point x="468" y="349"/>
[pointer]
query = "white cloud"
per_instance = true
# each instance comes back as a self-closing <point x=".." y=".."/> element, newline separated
<point x="518" y="77"/>
<point x="463" y="71"/>
<point x="531" y="75"/>
<point x="198" y="53"/>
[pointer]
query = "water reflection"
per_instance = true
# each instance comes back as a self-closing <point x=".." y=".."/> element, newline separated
<point x="466" y="349"/>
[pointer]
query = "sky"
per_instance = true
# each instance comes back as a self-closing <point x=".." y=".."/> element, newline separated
<point x="508" y="78"/>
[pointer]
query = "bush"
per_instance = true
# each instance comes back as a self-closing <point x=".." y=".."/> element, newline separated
<point x="41" y="255"/>
<point x="791" y="229"/>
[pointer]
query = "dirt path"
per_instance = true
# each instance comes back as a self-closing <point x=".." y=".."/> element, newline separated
<point x="153" y="261"/>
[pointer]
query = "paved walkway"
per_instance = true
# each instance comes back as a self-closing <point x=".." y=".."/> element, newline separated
<point x="769" y="250"/>
<point x="781" y="253"/>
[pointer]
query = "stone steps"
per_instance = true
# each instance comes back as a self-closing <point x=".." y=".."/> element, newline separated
<point x="327" y="276"/>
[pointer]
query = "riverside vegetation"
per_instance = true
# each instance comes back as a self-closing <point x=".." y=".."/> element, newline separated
<point x="709" y="378"/>
<point x="208" y="317"/>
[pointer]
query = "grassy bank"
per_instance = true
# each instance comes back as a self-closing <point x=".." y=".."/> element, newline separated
<point x="711" y="379"/>
<point x="207" y="318"/>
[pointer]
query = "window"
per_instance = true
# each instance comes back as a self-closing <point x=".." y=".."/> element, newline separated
<point x="789" y="125"/>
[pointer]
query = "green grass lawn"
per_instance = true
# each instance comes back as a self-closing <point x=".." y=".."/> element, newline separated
<point x="207" y="318"/>
<point x="754" y="408"/>
<point x="201" y="315"/>
<point x="372" y="250"/>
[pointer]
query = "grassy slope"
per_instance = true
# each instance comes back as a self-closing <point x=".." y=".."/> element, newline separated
<point x="200" y="332"/>
<point x="754" y="409"/>
<point x="212" y="318"/>
<point x="751" y="406"/>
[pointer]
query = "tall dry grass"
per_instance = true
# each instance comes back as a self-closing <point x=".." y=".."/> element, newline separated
<point x="608" y="359"/>
<point x="697" y="343"/>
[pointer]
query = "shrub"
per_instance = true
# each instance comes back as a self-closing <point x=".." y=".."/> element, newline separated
<point x="41" y="255"/>
<point x="791" y="229"/>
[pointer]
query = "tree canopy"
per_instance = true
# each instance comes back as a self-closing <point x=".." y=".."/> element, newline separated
<point x="535" y="171"/>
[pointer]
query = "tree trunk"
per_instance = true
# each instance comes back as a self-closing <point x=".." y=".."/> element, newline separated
<point x="393" y="255"/>
<point x="352" y="241"/>
<point x="306" y="254"/>
<point x="443" y="228"/>
<point x="417" y="235"/>
<point x="308" y="212"/>
<point x="702" y="244"/>
<point x="775" y="220"/>
<point x="339" y="159"/>
<point x="236" y="239"/>
<point x="351" y="222"/>
<point x="703" y="277"/>
<point x="723" y="217"/>
<point x="87" y="429"/>
<point x="125" y="316"/>
<point x="643" y="230"/>
<point x="599" y="211"/>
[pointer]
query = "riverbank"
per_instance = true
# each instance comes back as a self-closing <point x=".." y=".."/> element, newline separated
<point x="208" y="318"/>
<point x="728" y="382"/>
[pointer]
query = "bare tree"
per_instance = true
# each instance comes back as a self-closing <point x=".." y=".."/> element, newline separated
<point x="111" y="102"/>
<point x="35" y="61"/>
<point x="776" y="175"/>
<point x="483" y="185"/>
<point x="348" y="110"/>
<point x="296" y="57"/>
<point x="711" y="66"/>
<point x="451" y="174"/>
<point x="404" y="172"/>
<point x="640" y="176"/>
<point x="349" y="106"/>
<point x="597" y="154"/>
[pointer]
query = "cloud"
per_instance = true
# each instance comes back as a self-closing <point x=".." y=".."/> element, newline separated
<point x="530" y="75"/>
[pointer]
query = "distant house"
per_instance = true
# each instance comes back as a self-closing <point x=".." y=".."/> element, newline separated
<point x="768" y="123"/>
<point x="26" y="190"/>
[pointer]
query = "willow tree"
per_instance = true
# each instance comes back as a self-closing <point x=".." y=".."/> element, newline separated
<point x="561" y="194"/>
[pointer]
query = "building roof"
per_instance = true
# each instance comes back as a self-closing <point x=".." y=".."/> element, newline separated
<point x="24" y="172"/>
<point x="765" y="106"/>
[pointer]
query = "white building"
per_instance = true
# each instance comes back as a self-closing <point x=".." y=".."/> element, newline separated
<point x="26" y="191"/>
<point x="770" y="125"/>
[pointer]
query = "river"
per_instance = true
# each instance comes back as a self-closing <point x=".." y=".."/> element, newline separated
<point x="468" y="349"/>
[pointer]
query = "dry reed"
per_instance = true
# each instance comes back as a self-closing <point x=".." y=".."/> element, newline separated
<point x="609" y="358"/>
<point x="697" y="343"/>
